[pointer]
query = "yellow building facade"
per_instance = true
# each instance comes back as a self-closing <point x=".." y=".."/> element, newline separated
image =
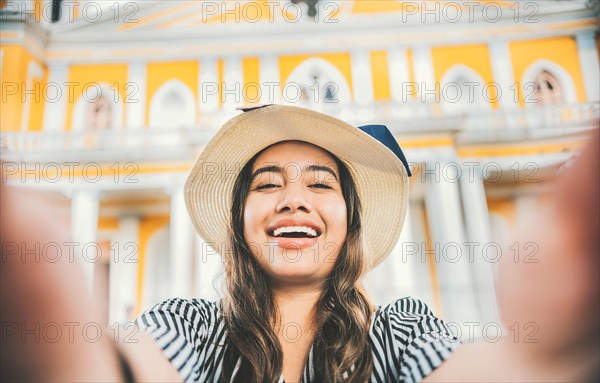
<point x="107" y="108"/>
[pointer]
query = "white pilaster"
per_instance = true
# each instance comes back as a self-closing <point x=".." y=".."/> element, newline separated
<point x="392" y="278"/>
<point x="57" y="95"/>
<point x="362" y="77"/>
<point x="124" y="270"/>
<point x="424" y="75"/>
<point x="233" y="83"/>
<point x="442" y="200"/>
<point x="135" y="100"/>
<point x="84" y="228"/>
<point x="590" y="66"/>
<point x="270" y="82"/>
<point x="410" y="271"/>
<point x="180" y="251"/>
<point x="399" y="75"/>
<point x="502" y="70"/>
<point x="33" y="71"/>
<point x="208" y="86"/>
<point x="208" y="266"/>
<point x="478" y="224"/>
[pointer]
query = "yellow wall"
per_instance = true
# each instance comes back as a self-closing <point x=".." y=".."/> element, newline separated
<point x="15" y="64"/>
<point x="411" y="69"/>
<point x="378" y="6"/>
<point x="148" y="226"/>
<point x="476" y="57"/>
<point x="381" y="76"/>
<point x="84" y="76"/>
<point x="159" y="73"/>
<point x="561" y="50"/>
<point x="341" y="61"/>
<point x="505" y="207"/>
<point x="220" y="76"/>
<point x="12" y="77"/>
<point x="108" y="223"/>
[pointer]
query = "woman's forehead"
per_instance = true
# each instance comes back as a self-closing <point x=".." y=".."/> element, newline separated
<point x="290" y="152"/>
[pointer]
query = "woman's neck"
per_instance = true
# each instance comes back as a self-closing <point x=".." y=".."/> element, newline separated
<point x="297" y="306"/>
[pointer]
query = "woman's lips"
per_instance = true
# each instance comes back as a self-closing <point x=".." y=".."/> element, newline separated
<point x="294" y="243"/>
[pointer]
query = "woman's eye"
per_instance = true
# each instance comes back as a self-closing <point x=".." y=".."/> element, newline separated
<point x="321" y="186"/>
<point x="266" y="186"/>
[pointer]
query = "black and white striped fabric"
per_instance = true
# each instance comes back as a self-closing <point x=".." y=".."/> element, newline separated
<point x="408" y="341"/>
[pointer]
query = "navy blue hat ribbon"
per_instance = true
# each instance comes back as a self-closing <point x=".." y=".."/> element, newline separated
<point x="382" y="134"/>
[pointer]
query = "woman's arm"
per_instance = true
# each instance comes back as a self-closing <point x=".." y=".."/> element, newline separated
<point x="45" y="307"/>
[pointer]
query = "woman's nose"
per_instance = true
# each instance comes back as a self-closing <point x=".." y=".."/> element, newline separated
<point x="293" y="198"/>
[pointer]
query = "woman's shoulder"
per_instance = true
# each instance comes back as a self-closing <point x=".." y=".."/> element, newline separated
<point x="410" y="318"/>
<point x="407" y="306"/>
<point x="412" y="341"/>
<point x="185" y="329"/>
<point x="186" y="306"/>
<point x="198" y="313"/>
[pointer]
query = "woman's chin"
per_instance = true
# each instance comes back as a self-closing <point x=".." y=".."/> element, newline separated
<point x="296" y="273"/>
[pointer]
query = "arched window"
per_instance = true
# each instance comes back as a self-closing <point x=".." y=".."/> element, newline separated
<point x="317" y="82"/>
<point x="545" y="82"/>
<point x="100" y="114"/>
<point x="461" y="91"/>
<point x="548" y="90"/>
<point x="173" y="105"/>
<point x="100" y="108"/>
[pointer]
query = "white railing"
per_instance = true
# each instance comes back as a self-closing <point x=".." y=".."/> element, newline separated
<point x="408" y="117"/>
<point x="563" y="117"/>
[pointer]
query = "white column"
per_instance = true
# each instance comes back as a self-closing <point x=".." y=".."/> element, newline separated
<point x="362" y="77"/>
<point x="270" y="81"/>
<point x="407" y="271"/>
<point x="399" y="75"/>
<point x="124" y="259"/>
<point x="208" y="86"/>
<point x="442" y="200"/>
<point x="484" y="252"/>
<point x="135" y="103"/>
<point x="502" y="70"/>
<point x="233" y="83"/>
<point x="84" y="229"/>
<point x="180" y="251"/>
<point x="209" y="264"/>
<point x="33" y="71"/>
<point x="57" y="96"/>
<point x="424" y="75"/>
<point x="588" y="59"/>
<point x="403" y="272"/>
<point x="393" y="278"/>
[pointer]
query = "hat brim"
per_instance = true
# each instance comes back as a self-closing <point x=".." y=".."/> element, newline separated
<point x="379" y="176"/>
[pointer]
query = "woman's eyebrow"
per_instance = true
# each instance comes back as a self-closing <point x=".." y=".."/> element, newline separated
<point x="279" y="169"/>
<point x="266" y="169"/>
<point x="317" y="168"/>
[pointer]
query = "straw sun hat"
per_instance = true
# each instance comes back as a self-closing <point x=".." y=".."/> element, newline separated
<point x="373" y="157"/>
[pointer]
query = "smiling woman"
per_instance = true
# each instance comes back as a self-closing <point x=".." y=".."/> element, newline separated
<point x="295" y="213"/>
<point x="315" y="205"/>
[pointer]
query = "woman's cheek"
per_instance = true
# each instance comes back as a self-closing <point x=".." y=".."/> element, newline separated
<point x="252" y="214"/>
<point x="337" y="220"/>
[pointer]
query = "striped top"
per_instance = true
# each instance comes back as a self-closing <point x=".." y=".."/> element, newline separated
<point x="408" y="341"/>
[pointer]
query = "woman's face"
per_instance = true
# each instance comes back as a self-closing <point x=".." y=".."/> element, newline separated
<point x="295" y="213"/>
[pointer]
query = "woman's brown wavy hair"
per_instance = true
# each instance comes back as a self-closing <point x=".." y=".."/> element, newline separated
<point x="342" y="349"/>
